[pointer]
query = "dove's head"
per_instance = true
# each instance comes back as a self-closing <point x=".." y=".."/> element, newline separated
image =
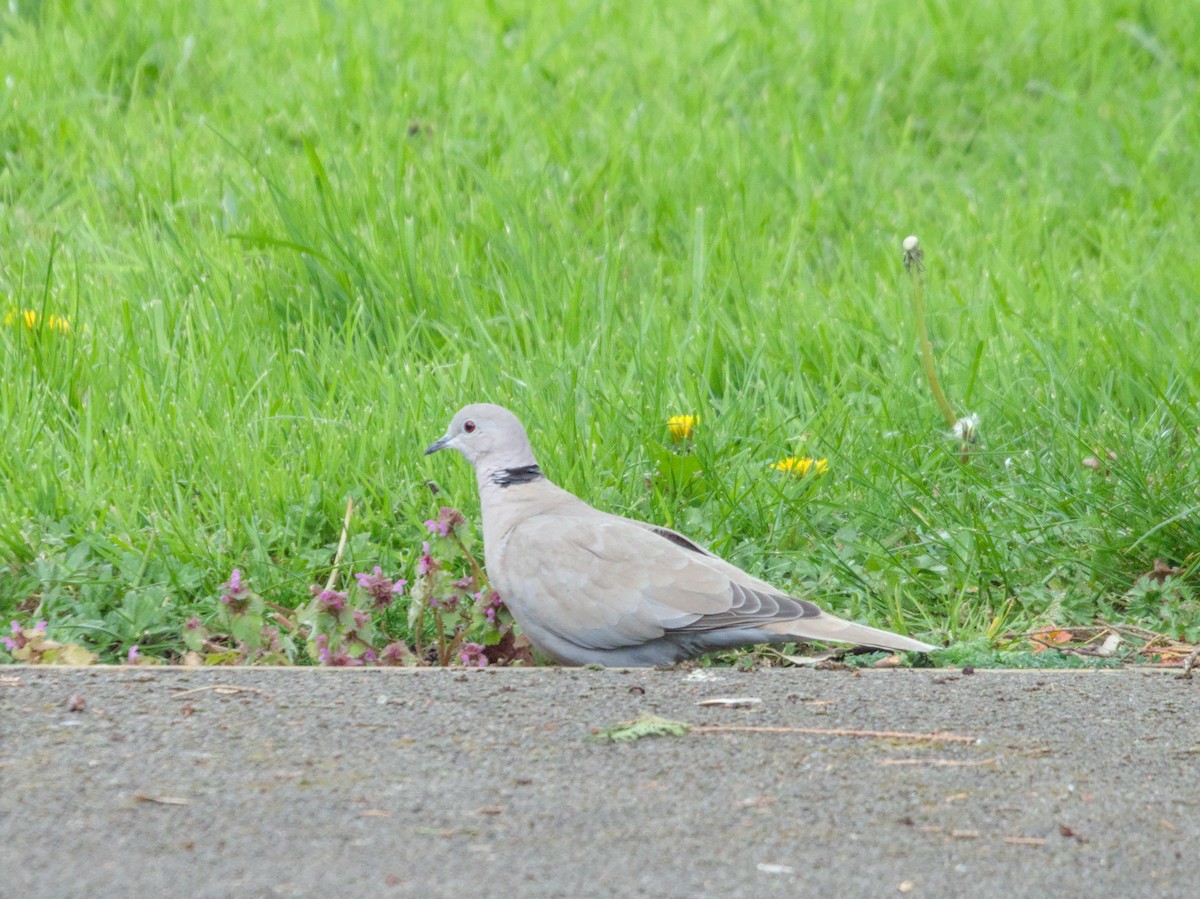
<point x="490" y="437"/>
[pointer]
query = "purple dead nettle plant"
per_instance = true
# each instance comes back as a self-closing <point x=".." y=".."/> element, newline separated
<point x="447" y="522"/>
<point x="452" y="598"/>
<point x="243" y="612"/>
<point x="473" y="655"/>
<point x="244" y="635"/>
<point x="21" y="636"/>
<point x="236" y="596"/>
<point x="454" y="616"/>
<point x="340" y="633"/>
<point x="337" y="626"/>
<point x="382" y="590"/>
<point x="343" y="632"/>
<point x="21" y="645"/>
<point x="30" y="644"/>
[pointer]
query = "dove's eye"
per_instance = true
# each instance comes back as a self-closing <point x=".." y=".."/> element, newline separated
<point x="468" y="426"/>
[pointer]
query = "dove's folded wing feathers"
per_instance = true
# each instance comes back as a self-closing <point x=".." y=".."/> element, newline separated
<point x="603" y="582"/>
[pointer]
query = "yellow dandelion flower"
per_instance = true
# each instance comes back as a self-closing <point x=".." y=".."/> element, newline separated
<point x="31" y="319"/>
<point x="682" y="426"/>
<point x="799" y="467"/>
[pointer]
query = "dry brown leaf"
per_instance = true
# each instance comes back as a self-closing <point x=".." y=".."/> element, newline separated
<point x="1161" y="572"/>
<point x="1046" y="637"/>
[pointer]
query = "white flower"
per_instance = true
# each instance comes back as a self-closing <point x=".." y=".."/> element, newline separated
<point x="966" y="429"/>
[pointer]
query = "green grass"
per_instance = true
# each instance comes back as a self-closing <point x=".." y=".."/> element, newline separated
<point x="292" y="239"/>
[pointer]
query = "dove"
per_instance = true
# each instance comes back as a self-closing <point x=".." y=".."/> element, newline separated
<point x="591" y="588"/>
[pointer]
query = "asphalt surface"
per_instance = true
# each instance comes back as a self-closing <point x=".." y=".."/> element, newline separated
<point x="319" y="782"/>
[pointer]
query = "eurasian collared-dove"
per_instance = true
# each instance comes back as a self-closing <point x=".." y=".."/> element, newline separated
<point x="589" y="588"/>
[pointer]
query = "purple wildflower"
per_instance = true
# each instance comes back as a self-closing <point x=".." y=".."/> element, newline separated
<point x="427" y="564"/>
<point x="489" y="603"/>
<point x="271" y="639"/>
<point x="443" y="603"/>
<point x="382" y="590"/>
<point x="339" y="659"/>
<point x="331" y="601"/>
<point x="235" y="596"/>
<point x="194" y="624"/>
<point x="133" y="655"/>
<point x="448" y="519"/>
<point x="472" y="654"/>
<point x="394" y="653"/>
<point x="369" y="656"/>
<point x="20" y="635"/>
<point x="361" y="618"/>
<point x="323" y="649"/>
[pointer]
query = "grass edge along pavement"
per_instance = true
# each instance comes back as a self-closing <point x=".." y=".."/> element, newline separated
<point x="230" y="303"/>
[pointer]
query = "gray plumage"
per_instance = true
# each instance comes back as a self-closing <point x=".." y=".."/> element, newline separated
<point x="588" y="587"/>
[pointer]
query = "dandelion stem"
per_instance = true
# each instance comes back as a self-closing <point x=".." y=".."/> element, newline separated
<point x="337" y="559"/>
<point x="913" y="262"/>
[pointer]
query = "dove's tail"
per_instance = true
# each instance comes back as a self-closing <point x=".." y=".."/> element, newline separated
<point x="838" y="630"/>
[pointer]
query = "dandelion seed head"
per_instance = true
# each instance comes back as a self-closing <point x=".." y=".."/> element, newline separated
<point x="966" y="429"/>
<point x="913" y="254"/>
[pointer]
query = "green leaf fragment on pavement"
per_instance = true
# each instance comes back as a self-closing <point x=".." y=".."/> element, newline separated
<point x="644" y="725"/>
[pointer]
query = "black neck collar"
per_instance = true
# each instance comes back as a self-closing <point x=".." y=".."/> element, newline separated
<point x="506" y="477"/>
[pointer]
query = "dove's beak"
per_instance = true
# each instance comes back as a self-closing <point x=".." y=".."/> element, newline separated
<point x="439" y="444"/>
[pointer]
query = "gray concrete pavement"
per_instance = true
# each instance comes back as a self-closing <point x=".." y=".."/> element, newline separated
<point x="451" y="783"/>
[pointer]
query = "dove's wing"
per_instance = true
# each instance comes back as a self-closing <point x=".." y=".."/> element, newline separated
<point x="604" y="582"/>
